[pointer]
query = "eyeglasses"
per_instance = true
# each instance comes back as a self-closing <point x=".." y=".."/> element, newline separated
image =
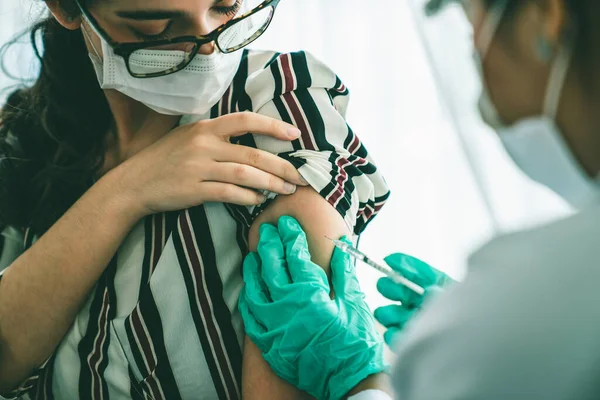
<point x="179" y="52"/>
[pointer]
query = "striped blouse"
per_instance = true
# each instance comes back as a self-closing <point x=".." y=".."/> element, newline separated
<point x="162" y="321"/>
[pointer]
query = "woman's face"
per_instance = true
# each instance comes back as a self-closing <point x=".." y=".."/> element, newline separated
<point x="147" y="20"/>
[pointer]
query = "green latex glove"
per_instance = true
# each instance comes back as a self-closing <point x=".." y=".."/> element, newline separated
<point x="322" y="346"/>
<point x="394" y="317"/>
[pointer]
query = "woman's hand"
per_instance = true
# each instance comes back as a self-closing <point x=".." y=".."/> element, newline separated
<point x="196" y="163"/>
<point x="322" y="346"/>
<point x="394" y="317"/>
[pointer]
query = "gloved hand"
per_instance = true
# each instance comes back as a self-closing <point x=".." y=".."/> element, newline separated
<point x="394" y="317"/>
<point x="322" y="346"/>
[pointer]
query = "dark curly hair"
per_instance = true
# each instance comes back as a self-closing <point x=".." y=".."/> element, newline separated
<point x="52" y="134"/>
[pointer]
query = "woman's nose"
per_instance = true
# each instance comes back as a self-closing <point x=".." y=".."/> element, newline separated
<point x="205" y="27"/>
<point x="207" y="49"/>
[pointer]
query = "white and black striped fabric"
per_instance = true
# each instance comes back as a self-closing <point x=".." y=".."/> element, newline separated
<point x="162" y="322"/>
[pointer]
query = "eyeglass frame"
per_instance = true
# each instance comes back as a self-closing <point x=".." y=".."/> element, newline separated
<point x="125" y="50"/>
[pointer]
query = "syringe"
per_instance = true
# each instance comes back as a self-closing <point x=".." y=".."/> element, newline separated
<point x="360" y="256"/>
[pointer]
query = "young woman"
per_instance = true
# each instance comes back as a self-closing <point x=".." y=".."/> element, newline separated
<point x="130" y="196"/>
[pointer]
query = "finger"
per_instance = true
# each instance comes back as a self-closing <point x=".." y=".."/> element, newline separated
<point x="397" y="292"/>
<point x="220" y="192"/>
<point x="297" y="255"/>
<point x="344" y="279"/>
<point x="393" y="315"/>
<point x="418" y="271"/>
<point x="260" y="159"/>
<point x="238" y="124"/>
<point x="256" y="292"/>
<point x="413" y="269"/>
<point x="274" y="269"/>
<point x="254" y="329"/>
<point x="392" y="337"/>
<point x="245" y="175"/>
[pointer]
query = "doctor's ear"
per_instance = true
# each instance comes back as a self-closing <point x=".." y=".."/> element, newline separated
<point x="551" y="19"/>
<point x="65" y="12"/>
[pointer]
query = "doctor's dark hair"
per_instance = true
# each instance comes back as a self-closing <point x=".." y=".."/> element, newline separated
<point x="52" y="133"/>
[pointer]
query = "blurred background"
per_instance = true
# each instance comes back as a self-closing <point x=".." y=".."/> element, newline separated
<point x="414" y="92"/>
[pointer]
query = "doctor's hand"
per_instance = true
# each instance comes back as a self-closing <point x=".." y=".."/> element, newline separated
<point x="394" y="317"/>
<point x="322" y="346"/>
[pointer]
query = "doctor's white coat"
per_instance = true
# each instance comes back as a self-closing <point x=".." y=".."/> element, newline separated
<point x="525" y="324"/>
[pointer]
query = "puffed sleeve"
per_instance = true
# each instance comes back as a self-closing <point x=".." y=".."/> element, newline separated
<point x="299" y="89"/>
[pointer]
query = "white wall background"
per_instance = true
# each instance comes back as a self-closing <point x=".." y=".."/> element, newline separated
<point x="413" y="103"/>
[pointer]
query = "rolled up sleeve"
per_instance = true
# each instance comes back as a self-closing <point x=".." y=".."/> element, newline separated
<point x="329" y="155"/>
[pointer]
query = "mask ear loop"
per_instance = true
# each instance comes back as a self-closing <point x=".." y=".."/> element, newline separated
<point x="557" y="80"/>
<point x="87" y="35"/>
<point x="558" y="77"/>
<point x="490" y="26"/>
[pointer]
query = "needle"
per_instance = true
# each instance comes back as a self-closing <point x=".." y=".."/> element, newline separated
<point x="359" y="255"/>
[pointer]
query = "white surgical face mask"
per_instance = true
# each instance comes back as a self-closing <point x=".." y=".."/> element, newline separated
<point x="191" y="91"/>
<point x="536" y="144"/>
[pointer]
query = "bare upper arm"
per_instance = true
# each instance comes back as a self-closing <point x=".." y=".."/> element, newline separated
<point x="319" y="219"/>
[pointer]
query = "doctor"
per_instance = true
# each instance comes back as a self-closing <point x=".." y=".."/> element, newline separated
<point x="525" y="324"/>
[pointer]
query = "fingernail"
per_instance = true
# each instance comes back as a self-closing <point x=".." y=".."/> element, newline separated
<point x="294" y="133"/>
<point x="304" y="181"/>
<point x="261" y="198"/>
<point x="289" y="188"/>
